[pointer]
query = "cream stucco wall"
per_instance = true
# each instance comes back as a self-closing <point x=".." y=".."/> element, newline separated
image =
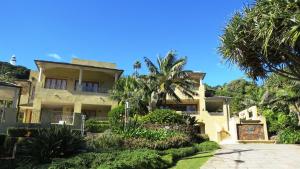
<point x="69" y="97"/>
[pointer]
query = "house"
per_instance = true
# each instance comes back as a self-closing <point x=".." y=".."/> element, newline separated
<point x="58" y="91"/>
<point x="212" y="113"/>
<point x="9" y="101"/>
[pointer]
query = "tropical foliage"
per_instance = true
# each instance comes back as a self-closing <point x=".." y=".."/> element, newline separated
<point x="147" y="92"/>
<point x="10" y="73"/>
<point x="264" y="38"/>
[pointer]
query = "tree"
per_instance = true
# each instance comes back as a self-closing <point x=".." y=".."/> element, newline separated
<point x="10" y="72"/>
<point x="132" y="90"/>
<point x="265" y="38"/>
<point x="136" y="66"/>
<point x="244" y="94"/>
<point x="168" y="75"/>
<point x="282" y="95"/>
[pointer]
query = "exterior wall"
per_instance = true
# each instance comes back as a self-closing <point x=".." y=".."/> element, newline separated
<point x="93" y="63"/>
<point x="215" y="124"/>
<point x="245" y="119"/>
<point x="70" y="96"/>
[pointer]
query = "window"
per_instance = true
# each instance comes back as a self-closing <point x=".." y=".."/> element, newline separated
<point x="88" y="86"/>
<point x="56" y="84"/>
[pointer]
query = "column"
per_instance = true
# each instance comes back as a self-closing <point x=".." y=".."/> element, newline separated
<point x="79" y="80"/>
<point x="116" y="77"/>
<point x="40" y="74"/>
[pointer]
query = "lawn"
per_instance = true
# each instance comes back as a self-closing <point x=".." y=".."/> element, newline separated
<point x="193" y="162"/>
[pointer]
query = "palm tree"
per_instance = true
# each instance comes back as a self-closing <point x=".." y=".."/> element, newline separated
<point x="136" y="66"/>
<point x="130" y="89"/>
<point x="166" y="77"/>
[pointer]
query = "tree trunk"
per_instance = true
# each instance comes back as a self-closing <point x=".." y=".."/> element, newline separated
<point x="153" y="101"/>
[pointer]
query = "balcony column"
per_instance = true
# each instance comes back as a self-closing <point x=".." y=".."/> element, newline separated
<point x="116" y="77"/>
<point x="40" y="74"/>
<point x="79" y="80"/>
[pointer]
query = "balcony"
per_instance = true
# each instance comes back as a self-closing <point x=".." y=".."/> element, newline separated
<point x="189" y="112"/>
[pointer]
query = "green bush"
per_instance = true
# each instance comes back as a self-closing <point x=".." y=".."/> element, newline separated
<point x="170" y="142"/>
<point x="129" y="159"/>
<point x="53" y="142"/>
<point x="96" y="126"/>
<point x="280" y="120"/>
<point x="2" y="139"/>
<point x="207" y="146"/>
<point x="21" y="132"/>
<point x="289" y="136"/>
<point x="181" y="152"/>
<point x="115" y="117"/>
<point x="159" y="134"/>
<point x="107" y="141"/>
<point x="199" y="138"/>
<point x="163" y="116"/>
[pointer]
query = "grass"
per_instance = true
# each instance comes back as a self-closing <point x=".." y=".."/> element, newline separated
<point x="193" y="162"/>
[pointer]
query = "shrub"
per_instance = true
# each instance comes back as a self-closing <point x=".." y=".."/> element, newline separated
<point x="51" y="143"/>
<point x="105" y="142"/>
<point x="159" y="134"/>
<point x="129" y="159"/>
<point x="21" y="132"/>
<point x="115" y="117"/>
<point x="171" y="142"/>
<point x="199" y="138"/>
<point x="96" y="126"/>
<point x="163" y="116"/>
<point x="207" y="146"/>
<point x="2" y="139"/>
<point x="289" y="136"/>
<point x="181" y="152"/>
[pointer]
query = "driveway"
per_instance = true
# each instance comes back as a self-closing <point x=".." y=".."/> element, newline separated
<point x="255" y="156"/>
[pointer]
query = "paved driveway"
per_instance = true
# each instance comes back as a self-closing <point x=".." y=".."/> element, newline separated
<point x="255" y="156"/>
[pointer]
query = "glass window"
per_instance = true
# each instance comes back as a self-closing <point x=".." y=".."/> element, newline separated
<point x="88" y="86"/>
<point x="56" y="84"/>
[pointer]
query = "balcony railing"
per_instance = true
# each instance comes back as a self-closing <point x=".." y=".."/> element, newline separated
<point x="62" y="119"/>
<point x="216" y="113"/>
<point x="189" y="112"/>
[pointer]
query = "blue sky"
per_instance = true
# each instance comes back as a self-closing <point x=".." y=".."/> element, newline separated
<point x="120" y="31"/>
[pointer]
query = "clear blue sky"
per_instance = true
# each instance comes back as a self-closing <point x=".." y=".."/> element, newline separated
<point x="120" y="31"/>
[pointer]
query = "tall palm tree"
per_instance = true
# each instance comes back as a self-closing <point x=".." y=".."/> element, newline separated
<point x="130" y="89"/>
<point x="168" y="75"/>
<point x="136" y="66"/>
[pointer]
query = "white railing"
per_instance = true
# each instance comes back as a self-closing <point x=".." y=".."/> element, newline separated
<point x="216" y="113"/>
<point x="189" y="112"/>
<point x="62" y="119"/>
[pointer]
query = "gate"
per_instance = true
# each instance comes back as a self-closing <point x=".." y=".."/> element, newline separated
<point x="250" y="132"/>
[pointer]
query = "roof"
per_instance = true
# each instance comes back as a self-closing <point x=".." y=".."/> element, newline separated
<point x="79" y="65"/>
<point x="202" y="74"/>
<point x="2" y="83"/>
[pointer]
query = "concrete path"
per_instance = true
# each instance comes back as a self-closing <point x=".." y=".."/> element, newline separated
<point x="255" y="156"/>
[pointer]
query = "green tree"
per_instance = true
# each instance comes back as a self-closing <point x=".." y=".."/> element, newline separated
<point x="264" y="38"/>
<point x="136" y="67"/>
<point x="10" y="72"/>
<point x="166" y="77"/>
<point x="244" y="94"/>
<point x="281" y="95"/>
<point x="132" y="90"/>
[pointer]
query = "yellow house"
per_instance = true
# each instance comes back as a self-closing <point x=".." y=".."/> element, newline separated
<point x="58" y="89"/>
<point x="212" y="113"/>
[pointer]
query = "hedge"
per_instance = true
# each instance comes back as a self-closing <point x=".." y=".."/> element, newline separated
<point x="21" y="132"/>
<point x="96" y="126"/>
<point x="128" y="159"/>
